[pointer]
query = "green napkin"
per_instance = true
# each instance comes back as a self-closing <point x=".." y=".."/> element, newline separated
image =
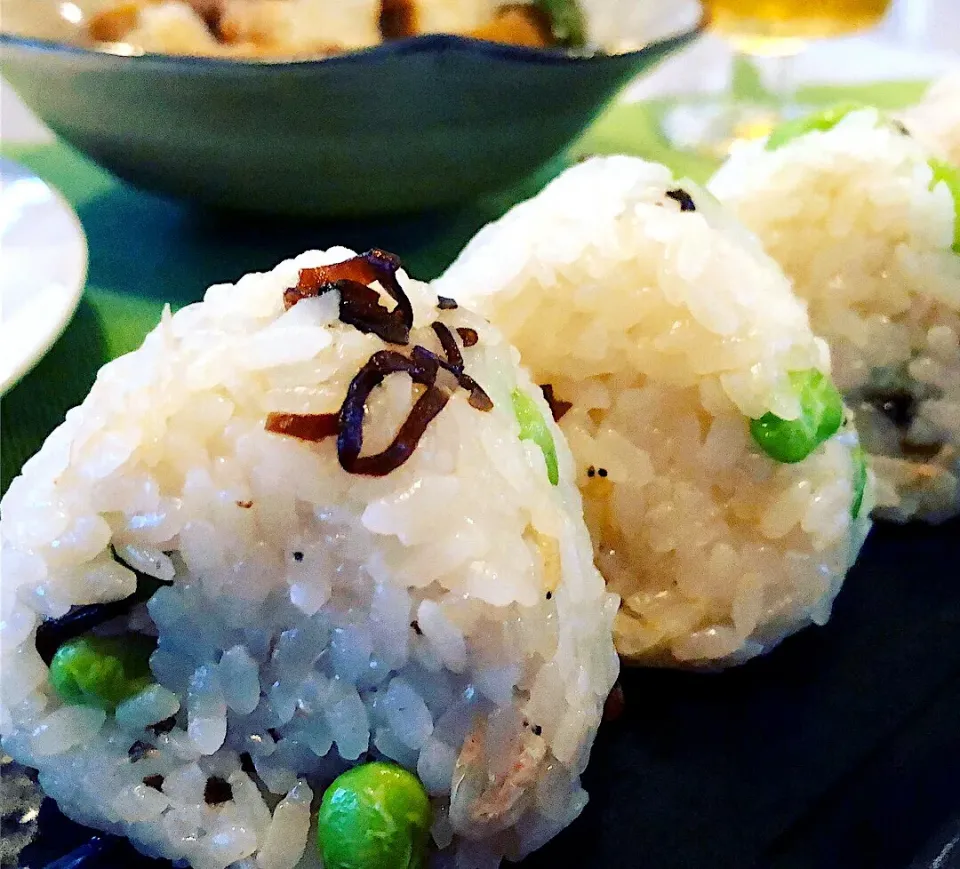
<point x="145" y="251"/>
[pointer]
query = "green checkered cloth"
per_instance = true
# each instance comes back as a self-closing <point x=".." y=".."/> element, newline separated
<point x="145" y="251"/>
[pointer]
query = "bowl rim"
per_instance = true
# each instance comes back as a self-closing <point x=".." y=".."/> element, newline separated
<point x="431" y="43"/>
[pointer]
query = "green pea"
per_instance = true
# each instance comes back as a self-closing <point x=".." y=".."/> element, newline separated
<point x="821" y="415"/>
<point x="533" y="427"/>
<point x="101" y="671"/>
<point x="949" y="175"/>
<point x="567" y="23"/>
<point x="859" y="480"/>
<point x="374" y="816"/>
<point x="822" y="121"/>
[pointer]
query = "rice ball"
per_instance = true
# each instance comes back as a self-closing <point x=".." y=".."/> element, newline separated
<point x="665" y="336"/>
<point x="935" y="120"/>
<point x="865" y="223"/>
<point x="342" y="526"/>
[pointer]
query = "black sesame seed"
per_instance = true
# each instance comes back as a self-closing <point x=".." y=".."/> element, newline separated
<point x="416" y="628"/>
<point x="602" y="472"/>
<point x="591" y="471"/>
<point x="217" y="791"/>
<point x="164" y="726"/>
<point x="298" y="556"/>
<point x="154" y="781"/>
<point x="537" y="729"/>
<point x="549" y="595"/>
<point x="684" y="198"/>
<point x="900" y="127"/>
<point x="446" y="304"/>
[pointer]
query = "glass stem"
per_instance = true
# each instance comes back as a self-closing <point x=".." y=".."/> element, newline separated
<point x="783" y="84"/>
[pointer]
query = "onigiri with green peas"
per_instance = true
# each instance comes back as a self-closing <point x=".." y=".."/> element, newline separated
<point x="864" y="220"/>
<point x="725" y="494"/>
<point x="321" y="517"/>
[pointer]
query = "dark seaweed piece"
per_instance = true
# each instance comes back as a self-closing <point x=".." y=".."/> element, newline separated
<point x="139" y="750"/>
<point x="898" y="405"/>
<point x="558" y="407"/>
<point x="246" y="764"/>
<point x="316" y="281"/>
<point x="429" y="362"/>
<point x="154" y="781"/>
<point x="359" y="304"/>
<point x="445" y="303"/>
<point x="684" y="198"/>
<point x="89" y="854"/>
<point x="350" y="438"/>
<point x="450" y="348"/>
<point x="216" y="791"/>
<point x="386" y="265"/>
<point x="313" y="427"/>
<point x="416" y="628"/>
<point x="164" y="726"/>
<point x="479" y="400"/>
<point x="360" y="307"/>
<point x="468" y="336"/>
<point x="53" y="633"/>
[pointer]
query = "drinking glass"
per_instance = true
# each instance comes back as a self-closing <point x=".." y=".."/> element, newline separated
<point x="765" y="34"/>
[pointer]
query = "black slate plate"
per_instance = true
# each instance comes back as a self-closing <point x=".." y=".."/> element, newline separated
<point x="840" y="750"/>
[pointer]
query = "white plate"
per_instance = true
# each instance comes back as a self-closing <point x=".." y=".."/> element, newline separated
<point x="44" y="267"/>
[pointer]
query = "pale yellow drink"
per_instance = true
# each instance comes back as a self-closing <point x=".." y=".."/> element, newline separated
<point x="782" y="26"/>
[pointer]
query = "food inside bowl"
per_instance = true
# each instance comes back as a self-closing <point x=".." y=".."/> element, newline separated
<point x="272" y="29"/>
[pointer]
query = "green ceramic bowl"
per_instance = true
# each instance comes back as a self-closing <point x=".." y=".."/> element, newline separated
<point x="410" y="125"/>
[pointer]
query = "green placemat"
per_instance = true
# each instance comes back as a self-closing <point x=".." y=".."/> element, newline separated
<point x="145" y="250"/>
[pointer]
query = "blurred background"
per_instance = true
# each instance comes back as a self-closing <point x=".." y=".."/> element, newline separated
<point x="916" y="39"/>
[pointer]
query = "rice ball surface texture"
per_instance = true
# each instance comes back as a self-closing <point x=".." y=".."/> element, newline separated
<point x="667" y="330"/>
<point x="426" y="596"/>
<point x="865" y="224"/>
<point x="935" y="120"/>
